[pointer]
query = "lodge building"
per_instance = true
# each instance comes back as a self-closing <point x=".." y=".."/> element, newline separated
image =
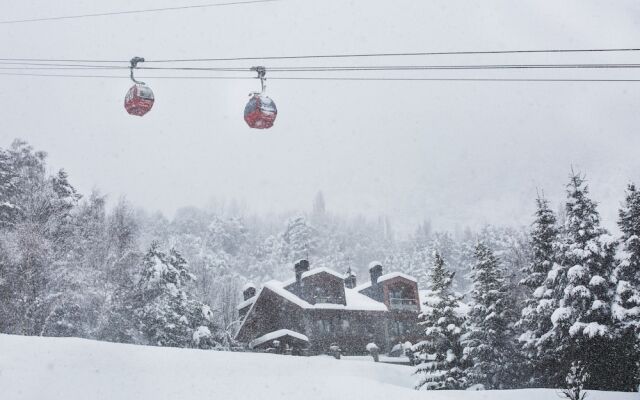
<point x="320" y="308"/>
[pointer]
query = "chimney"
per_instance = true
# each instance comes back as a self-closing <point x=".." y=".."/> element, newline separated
<point x="375" y="270"/>
<point x="301" y="267"/>
<point x="350" y="279"/>
<point x="248" y="291"/>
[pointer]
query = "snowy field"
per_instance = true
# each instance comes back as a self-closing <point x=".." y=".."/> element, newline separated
<point x="34" y="368"/>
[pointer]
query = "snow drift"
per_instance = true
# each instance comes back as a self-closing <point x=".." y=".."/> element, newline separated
<point x="34" y="368"/>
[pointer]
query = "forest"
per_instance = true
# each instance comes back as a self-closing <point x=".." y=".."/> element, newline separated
<point x="552" y="304"/>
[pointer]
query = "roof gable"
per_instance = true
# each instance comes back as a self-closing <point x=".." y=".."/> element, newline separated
<point x="322" y="270"/>
<point x="386" y="277"/>
<point x="276" y="335"/>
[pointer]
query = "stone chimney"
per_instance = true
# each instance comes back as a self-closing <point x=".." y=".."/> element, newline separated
<point x="350" y="279"/>
<point x="301" y="267"/>
<point x="375" y="270"/>
<point x="248" y="291"/>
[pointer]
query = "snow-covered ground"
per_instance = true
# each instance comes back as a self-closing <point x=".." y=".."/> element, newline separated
<point x="37" y="368"/>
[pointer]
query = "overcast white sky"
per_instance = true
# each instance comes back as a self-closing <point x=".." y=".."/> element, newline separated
<point x="459" y="153"/>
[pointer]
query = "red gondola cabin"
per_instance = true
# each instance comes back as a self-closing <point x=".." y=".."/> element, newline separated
<point x="260" y="112"/>
<point x="139" y="100"/>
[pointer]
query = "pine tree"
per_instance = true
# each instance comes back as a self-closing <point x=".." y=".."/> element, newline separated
<point x="76" y="303"/>
<point x="544" y="236"/>
<point x="489" y="340"/>
<point x="582" y="287"/>
<point x="159" y="310"/>
<point x="300" y="239"/>
<point x="8" y="178"/>
<point x="319" y="208"/>
<point x="441" y="351"/>
<point x="627" y="295"/>
<point x="535" y="318"/>
<point x="40" y="224"/>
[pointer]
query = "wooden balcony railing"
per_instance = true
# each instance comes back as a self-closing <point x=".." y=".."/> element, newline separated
<point x="403" y="304"/>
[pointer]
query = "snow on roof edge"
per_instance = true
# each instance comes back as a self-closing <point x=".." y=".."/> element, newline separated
<point x="359" y="301"/>
<point x="385" y="277"/>
<point x="276" y="287"/>
<point x="392" y="275"/>
<point x="362" y="286"/>
<point x="276" y="334"/>
<point x="246" y="302"/>
<point x="355" y="301"/>
<point x="246" y="316"/>
<point x="320" y="270"/>
<point x="373" y="264"/>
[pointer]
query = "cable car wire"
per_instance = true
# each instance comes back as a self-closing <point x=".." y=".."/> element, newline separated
<point x="104" y="14"/>
<point x="355" y="55"/>
<point x="320" y="78"/>
<point x="51" y="66"/>
<point x="404" y="54"/>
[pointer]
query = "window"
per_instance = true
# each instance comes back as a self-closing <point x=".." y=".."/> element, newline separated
<point x="398" y="328"/>
<point x="324" y="326"/>
<point x="402" y="298"/>
<point x="345" y="325"/>
<point x="398" y="292"/>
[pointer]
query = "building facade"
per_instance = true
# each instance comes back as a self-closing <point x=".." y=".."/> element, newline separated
<point x="320" y="308"/>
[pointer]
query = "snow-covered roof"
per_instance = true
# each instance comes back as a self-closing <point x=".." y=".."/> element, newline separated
<point x="248" y="285"/>
<point x="275" y="335"/>
<point x="246" y="302"/>
<point x="288" y="282"/>
<point x="374" y="264"/>
<point x="392" y="275"/>
<point x="355" y="301"/>
<point x="277" y="288"/>
<point x="358" y="301"/>
<point x="362" y="286"/>
<point x="386" y="277"/>
<point x="320" y="270"/>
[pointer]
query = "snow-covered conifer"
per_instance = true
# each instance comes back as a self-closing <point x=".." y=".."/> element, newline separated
<point x="582" y="285"/>
<point x="8" y="178"/>
<point x="161" y="309"/>
<point x="535" y="318"/>
<point x="489" y="342"/>
<point x="441" y="352"/>
<point x="300" y="239"/>
<point x="628" y="269"/>
<point x="626" y="307"/>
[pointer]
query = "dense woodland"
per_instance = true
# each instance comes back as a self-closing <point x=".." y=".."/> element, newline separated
<point x="554" y="304"/>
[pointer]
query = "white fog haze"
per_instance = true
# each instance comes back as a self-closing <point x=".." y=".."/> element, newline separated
<point x="457" y="153"/>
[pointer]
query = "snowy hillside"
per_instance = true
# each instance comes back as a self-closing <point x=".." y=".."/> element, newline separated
<point x="34" y="368"/>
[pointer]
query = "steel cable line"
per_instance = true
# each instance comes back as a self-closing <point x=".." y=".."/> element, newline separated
<point x="104" y="14"/>
<point x="43" y="66"/>
<point x="449" y="67"/>
<point x="309" y="78"/>
<point x="403" y="54"/>
<point x="355" y="55"/>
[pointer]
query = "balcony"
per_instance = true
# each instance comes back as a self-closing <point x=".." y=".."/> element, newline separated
<point x="403" y="304"/>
